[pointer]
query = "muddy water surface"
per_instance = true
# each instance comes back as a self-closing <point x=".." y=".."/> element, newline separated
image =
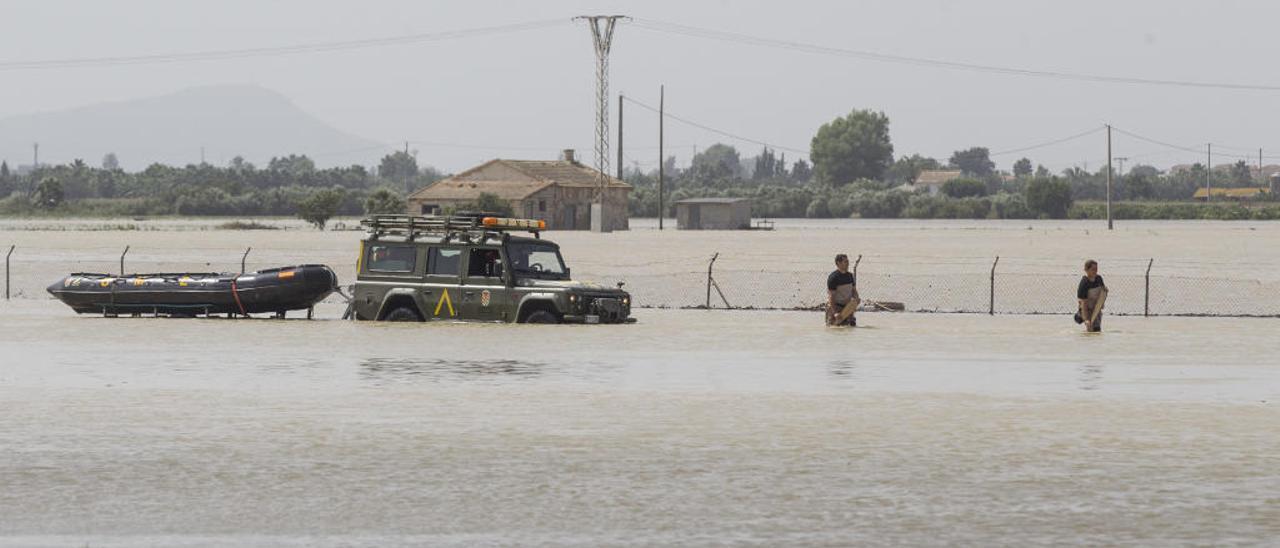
<point x="691" y="427"/>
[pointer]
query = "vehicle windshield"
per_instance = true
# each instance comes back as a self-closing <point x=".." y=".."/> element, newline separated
<point x="535" y="260"/>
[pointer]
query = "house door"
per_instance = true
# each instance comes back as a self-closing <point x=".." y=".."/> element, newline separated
<point x="570" y="217"/>
<point x="695" y="217"/>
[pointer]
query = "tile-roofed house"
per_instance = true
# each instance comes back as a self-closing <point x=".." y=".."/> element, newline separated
<point x="933" y="179"/>
<point x="559" y="192"/>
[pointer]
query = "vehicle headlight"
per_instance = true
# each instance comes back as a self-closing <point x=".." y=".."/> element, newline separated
<point x="573" y="298"/>
<point x="626" y="301"/>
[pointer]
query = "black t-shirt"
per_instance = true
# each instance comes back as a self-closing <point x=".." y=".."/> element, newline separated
<point x="1085" y="285"/>
<point x="838" y="278"/>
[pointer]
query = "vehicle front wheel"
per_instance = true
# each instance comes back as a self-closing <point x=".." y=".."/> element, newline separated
<point x="542" y="316"/>
<point x="402" y="314"/>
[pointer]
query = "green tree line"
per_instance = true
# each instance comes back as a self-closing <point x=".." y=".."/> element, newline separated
<point x="854" y="173"/>
<point x="288" y="185"/>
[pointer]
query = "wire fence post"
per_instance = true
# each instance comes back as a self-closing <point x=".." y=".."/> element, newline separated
<point x="1146" y="296"/>
<point x="991" y="310"/>
<point x="711" y="282"/>
<point x="243" y="257"/>
<point x="6" y="271"/>
<point x="710" y="265"/>
<point x="126" y="252"/>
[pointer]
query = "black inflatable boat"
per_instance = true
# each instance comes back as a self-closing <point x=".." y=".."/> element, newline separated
<point x="275" y="290"/>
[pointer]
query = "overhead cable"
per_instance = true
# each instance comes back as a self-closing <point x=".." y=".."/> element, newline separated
<point x="686" y="30"/>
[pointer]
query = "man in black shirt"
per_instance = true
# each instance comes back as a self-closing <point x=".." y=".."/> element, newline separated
<point x="1092" y="294"/>
<point x="842" y="294"/>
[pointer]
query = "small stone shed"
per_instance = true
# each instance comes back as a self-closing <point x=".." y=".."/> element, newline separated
<point x="559" y="192"/>
<point x="713" y="214"/>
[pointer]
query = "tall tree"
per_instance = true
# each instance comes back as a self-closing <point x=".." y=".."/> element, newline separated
<point x="1241" y="175"/>
<point x="240" y="165"/>
<point x="801" y="172"/>
<point x="49" y="193"/>
<point x="1049" y="197"/>
<point x="766" y="165"/>
<point x="399" y="167"/>
<point x="296" y="165"/>
<point x="718" y="165"/>
<point x="384" y="201"/>
<point x="321" y="205"/>
<point x="110" y="162"/>
<point x="852" y="147"/>
<point x="973" y="161"/>
<point x="906" y="170"/>
<point x="1022" y="168"/>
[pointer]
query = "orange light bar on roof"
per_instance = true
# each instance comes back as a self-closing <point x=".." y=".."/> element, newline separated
<point x="499" y="222"/>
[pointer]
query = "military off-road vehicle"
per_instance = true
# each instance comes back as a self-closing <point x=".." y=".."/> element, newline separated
<point x="473" y="267"/>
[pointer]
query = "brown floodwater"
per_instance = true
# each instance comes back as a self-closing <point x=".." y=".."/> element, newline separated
<point x="688" y="428"/>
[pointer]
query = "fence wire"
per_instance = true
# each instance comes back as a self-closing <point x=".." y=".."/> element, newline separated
<point x="921" y="284"/>
<point x="971" y="291"/>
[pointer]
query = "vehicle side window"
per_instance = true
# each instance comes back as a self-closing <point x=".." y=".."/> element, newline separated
<point x="484" y="263"/>
<point x="444" y="262"/>
<point x="384" y="258"/>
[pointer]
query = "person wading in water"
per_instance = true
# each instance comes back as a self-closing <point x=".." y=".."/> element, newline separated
<point x="842" y="294"/>
<point x="1092" y="294"/>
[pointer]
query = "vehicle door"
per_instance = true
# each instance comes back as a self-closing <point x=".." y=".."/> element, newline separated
<point x="484" y="289"/>
<point x="442" y="283"/>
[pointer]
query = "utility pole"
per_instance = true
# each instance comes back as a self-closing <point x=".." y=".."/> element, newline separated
<point x="35" y="162"/>
<point x="619" y="136"/>
<point x="662" y="160"/>
<point x="1208" y="176"/>
<point x="1110" y="224"/>
<point x="201" y="155"/>
<point x="601" y="27"/>
<point x="1122" y="160"/>
<point x="1262" y="179"/>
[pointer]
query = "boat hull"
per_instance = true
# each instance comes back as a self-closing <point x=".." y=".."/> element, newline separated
<point x="275" y="290"/>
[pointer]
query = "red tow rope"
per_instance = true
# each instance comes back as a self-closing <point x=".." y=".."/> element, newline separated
<point x="236" y="294"/>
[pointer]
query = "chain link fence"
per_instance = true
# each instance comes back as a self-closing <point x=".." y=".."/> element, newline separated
<point x="919" y="284"/>
<point x="961" y="288"/>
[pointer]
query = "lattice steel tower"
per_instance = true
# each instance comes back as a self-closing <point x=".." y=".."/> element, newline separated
<point x="602" y="37"/>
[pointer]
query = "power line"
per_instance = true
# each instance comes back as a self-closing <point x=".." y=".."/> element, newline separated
<point x="315" y="47"/>
<point x="1192" y="150"/>
<point x="716" y="131"/>
<point x="674" y="28"/>
<point x="1049" y="143"/>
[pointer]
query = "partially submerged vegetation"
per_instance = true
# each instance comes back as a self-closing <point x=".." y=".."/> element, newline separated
<point x="246" y="225"/>
<point x="855" y="174"/>
<point x="288" y="186"/>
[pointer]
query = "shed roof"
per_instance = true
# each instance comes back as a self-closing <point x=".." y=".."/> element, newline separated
<point x="712" y="201"/>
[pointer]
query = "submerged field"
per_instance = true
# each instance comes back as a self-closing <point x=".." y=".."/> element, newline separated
<point x="690" y="427"/>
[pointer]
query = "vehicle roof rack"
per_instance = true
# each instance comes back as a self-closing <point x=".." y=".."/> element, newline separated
<point x="470" y="225"/>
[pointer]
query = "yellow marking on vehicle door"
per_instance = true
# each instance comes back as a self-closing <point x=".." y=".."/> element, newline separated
<point x="444" y="299"/>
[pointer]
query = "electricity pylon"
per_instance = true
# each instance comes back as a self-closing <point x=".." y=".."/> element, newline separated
<point x="601" y="27"/>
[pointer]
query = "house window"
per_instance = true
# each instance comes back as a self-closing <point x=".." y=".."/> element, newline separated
<point x="430" y="209"/>
<point x="542" y="206"/>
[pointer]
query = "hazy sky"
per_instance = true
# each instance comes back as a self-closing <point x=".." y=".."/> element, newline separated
<point x="528" y="94"/>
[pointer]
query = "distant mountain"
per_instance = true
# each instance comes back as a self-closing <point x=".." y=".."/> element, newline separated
<point x="227" y="121"/>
